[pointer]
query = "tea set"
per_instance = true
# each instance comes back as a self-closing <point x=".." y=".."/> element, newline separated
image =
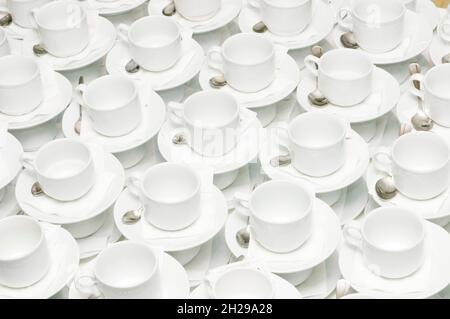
<point x="217" y="149"/>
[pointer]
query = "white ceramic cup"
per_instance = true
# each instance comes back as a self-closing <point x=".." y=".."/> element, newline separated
<point x="418" y="163"/>
<point x="63" y="27"/>
<point x="315" y="141"/>
<point x="113" y="104"/>
<point x="242" y="283"/>
<point x="280" y="214"/>
<point x="21" y="11"/>
<point x="124" y="270"/>
<point x="198" y="10"/>
<point x="21" y="88"/>
<point x="247" y="61"/>
<point x="64" y="168"/>
<point x="284" y="17"/>
<point x="344" y="75"/>
<point x="154" y="42"/>
<point x="211" y="119"/>
<point x="4" y="45"/>
<point x="24" y="255"/>
<point x="378" y="25"/>
<point x="170" y="194"/>
<point x="434" y="93"/>
<point x="391" y="240"/>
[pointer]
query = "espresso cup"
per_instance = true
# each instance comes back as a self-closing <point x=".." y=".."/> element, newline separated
<point x="344" y="75"/>
<point x="418" y="163"/>
<point x="391" y="240"/>
<point x="22" y="11"/>
<point x="63" y="27"/>
<point x="247" y="61"/>
<point x="315" y="141"/>
<point x="198" y="10"/>
<point x="64" y="169"/>
<point x="211" y="119"/>
<point x="154" y="42"/>
<point x="242" y="283"/>
<point x="113" y="104"/>
<point x="170" y="194"/>
<point x="21" y="89"/>
<point x="24" y="255"/>
<point x="284" y="17"/>
<point x="378" y="25"/>
<point x="124" y="270"/>
<point x="4" y="45"/>
<point x="434" y="93"/>
<point x="280" y="214"/>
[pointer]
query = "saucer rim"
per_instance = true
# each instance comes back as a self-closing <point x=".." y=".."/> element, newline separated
<point x="110" y="12"/>
<point x="12" y="144"/>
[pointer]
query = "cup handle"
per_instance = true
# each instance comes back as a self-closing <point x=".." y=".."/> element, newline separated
<point x="312" y="64"/>
<point x="215" y="60"/>
<point x="382" y="160"/>
<point x="352" y="234"/>
<point x="444" y="31"/>
<point x="134" y="184"/>
<point x="282" y="136"/>
<point x="176" y="112"/>
<point x="122" y="32"/>
<point x="33" y="20"/>
<point x="417" y="78"/>
<point x="241" y="203"/>
<point x="87" y="287"/>
<point x="28" y="161"/>
<point x="345" y="13"/>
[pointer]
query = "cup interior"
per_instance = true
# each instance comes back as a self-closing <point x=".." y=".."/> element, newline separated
<point x="126" y="265"/>
<point x="378" y="11"/>
<point x="62" y="159"/>
<point x="211" y="109"/>
<point x="436" y="81"/>
<point x="247" y="49"/>
<point x="16" y="70"/>
<point x="345" y="64"/>
<point x="170" y="183"/>
<point x="316" y="130"/>
<point x="109" y="92"/>
<point x="393" y="229"/>
<point x="154" y="32"/>
<point x="243" y="284"/>
<point x="60" y="15"/>
<point x="421" y="152"/>
<point x="19" y="237"/>
<point x="281" y="202"/>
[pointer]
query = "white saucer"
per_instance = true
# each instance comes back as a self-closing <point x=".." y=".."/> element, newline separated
<point x="8" y="203"/>
<point x="174" y="280"/>
<point x="53" y="104"/>
<point x="384" y="97"/>
<point x="184" y="70"/>
<point x="287" y="77"/>
<point x="153" y="113"/>
<point x="387" y="131"/>
<point x="211" y="220"/>
<point x="357" y="153"/>
<point x="352" y="201"/>
<point x="245" y="151"/>
<point x="438" y="49"/>
<point x="418" y="36"/>
<point x="10" y="159"/>
<point x="107" y="234"/>
<point x="430" y="279"/>
<point x="282" y="290"/>
<point x="110" y="8"/>
<point x="321" y="25"/>
<point x="64" y="259"/>
<point x="27" y="179"/>
<point x="323" y="242"/>
<point x="429" y="11"/>
<point x="102" y="40"/>
<point x="228" y="11"/>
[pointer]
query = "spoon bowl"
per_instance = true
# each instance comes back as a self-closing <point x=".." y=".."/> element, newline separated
<point x="169" y="10"/>
<point x="38" y="49"/>
<point x="132" y="216"/>
<point x="132" y="66"/>
<point x="243" y="237"/>
<point x="348" y="40"/>
<point x="6" y="20"/>
<point x="259" y="27"/>
<point x="36" y="189"/>
<point x="446" y="58"/>
<point x="316" y="97"/>
<point x="385" y="188"/>
<point x="217" y="81"/>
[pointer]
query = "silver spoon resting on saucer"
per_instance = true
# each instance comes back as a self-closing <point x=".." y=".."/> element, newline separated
<point x="316" y="97"/>
<point x="6" y="20"/>
<point x="385" y="188"/>
<point x="77" y="125"/>
<point x="133" y="216"/>
<point x="169" y="10"/>
<point x="179" y="139"/>
<point x="446" y="58"/>
<point x="243" y="236"/>
<point x="421" y="121"/>
<point x="281" y="160"/>
<point x="348" y="40"/>
<point x="38" y="50"/>
<point x="36" y="189"/>
<point x="259" y="27"/>
<point x="217" y="81"/>
<point x="132" y="66"/>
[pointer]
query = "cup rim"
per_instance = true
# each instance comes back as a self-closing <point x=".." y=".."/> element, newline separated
<point x="383" y="210"/>
<point x="350" y="51"/>
<point x="53" y="3"/>
<point x="402" y="13"/>
<point x="31" y="78"/>
<point x="35" y="247"/>
<point x="153" y="18"/>
<point x="247" y="34"/>
<point x="435" y="69"/>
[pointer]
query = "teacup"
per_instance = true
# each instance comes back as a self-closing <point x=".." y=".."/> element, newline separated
<point x="63" y="27"/>
<point x="124" y="270"/>
<point x="154" y="42"/>
<point x="24" y="255"/>
<point x="247" y="61"/>
<point x="284" y="17"/>
<point x="21" y="88"/>
<point x="22" y="11"/>
<point x="344" y="75"/>
<point x="198" y="10"/>
<point x="170" y="193"/>
<point x="391" y="240"/>
<point x="419" y="163"/>
<point x="434" y="92"/>
<point x="315" y="141"/>
<point x="211" y="119"/>
<point x="113" y="104"/>
<point x="242" y="283"/>
<point x="378" y="25"/>
<point x="64" y="169"/>
<point x="4" y="45"/>
<point x="280" y="214"/>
